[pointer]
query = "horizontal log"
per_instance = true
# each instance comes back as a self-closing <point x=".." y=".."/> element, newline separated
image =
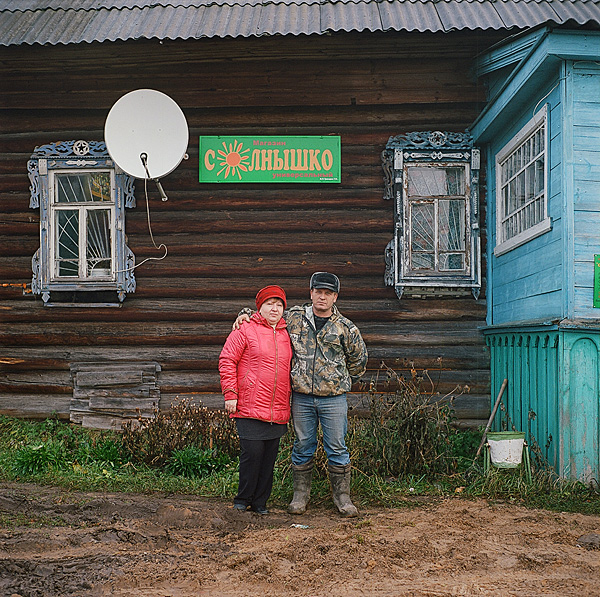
<point x="67" y="91"/>
<point x="433" y="381"/>
<point x="196" y="358"/>
<point x="235" y="267"/>
<point x="469" y="409"/>
<point x="365" y="287"/>
<point x="35" y="406"/>
<point x="117" y="392"/>
<point x="40" y="406"/>
<point x="124" y="404"/>
<point x="186" y="333"/>
<point x="104" y="422"/>
<point x="333" y="220"/>
<point x="218" y="197"/>
<point x="377" y="45"/>
<point x="361" y="82"/>
<point x="442" y="382"/>
<point x="108" y="378"/>
<point x="23" y="129"/>
<point x="205" y="222"/>
<point x="220" y="244"/>
<point x="204" y="310"/>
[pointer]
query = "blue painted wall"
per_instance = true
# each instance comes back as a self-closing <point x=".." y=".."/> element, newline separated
<point x="527" y="282"/>
<point x="551" y="276"/>
<point x="583" y="77"/>
<point x="544" y="333"/>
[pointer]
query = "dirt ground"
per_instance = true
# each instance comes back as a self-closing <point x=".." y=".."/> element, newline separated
<point x="79" y="544"/>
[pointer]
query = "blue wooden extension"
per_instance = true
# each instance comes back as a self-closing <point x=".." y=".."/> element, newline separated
<point x="543" y="316"/>
<point x="553" y="394"/>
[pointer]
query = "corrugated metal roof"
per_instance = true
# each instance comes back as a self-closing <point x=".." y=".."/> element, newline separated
<point x="70" y="21"/>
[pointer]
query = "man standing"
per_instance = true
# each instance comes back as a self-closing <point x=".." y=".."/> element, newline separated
<point x="329" y="354"/>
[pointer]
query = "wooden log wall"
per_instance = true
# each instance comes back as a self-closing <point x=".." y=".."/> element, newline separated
<point x="226" y="241"/>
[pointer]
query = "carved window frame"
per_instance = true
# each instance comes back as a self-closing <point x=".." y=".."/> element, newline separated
<point x="79" y="157"/>
<point x="437" y="150"/>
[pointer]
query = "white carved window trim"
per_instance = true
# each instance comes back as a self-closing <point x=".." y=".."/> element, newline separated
<point x="514" y="164"/>
<point x="431" y="149"/>
<point x="80" y="157"/>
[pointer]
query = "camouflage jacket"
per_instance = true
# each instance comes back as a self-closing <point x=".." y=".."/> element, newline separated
<point x="324" y="364"/>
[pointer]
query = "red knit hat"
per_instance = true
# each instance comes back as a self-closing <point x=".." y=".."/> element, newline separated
<point x="270" y="292"/>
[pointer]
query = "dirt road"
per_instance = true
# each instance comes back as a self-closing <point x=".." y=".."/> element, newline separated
<point x="78" y="544"/>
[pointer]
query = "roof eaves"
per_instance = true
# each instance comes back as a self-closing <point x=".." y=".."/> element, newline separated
<point x="465" y="14"/>
<point x="399" y="15"/>
<point x="351" y="16"/>
<point x="112" y="20"/>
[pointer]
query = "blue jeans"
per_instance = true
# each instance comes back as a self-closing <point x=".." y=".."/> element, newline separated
<point x="332" y="413"/>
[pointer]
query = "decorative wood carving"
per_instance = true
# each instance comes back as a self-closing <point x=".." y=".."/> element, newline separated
<point x="74" y="155"/>
<point x="439" y="148"/>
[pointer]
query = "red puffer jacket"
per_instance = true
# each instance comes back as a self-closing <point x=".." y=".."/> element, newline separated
<point x="255" y="365"/>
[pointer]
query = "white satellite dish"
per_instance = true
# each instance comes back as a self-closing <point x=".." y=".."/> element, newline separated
<point x="146" y="135"/>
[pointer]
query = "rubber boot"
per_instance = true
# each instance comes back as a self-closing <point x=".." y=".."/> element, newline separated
<point x="339" y="476"/>
<point x="302" y="481"/>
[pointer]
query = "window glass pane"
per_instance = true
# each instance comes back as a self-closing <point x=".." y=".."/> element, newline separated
<point x="99" y="246"/>
<point x="83" y="188"/>
<point x="452" y="225"/>
<point x="422" y="235"/>
<point x="434" y="181"/>
<point x="422" y="227"/>
<point x="539" y="177"/>
<point x="452" y="262"/>
<point x="530" y="182"/>
<point x="67" y="243"/>
<point x="422" y="261"/>
<point x="520" y="189"/>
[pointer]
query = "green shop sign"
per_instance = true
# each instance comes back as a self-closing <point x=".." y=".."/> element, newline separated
<point x="270" y="159"/>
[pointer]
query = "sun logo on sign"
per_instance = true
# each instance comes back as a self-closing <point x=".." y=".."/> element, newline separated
<point x="232" y="159"/>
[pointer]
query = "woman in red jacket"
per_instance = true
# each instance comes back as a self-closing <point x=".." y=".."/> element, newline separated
<point x="255" y="381"/>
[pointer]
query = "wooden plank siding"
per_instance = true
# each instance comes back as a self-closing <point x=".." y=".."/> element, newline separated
<point x="226" y="241"/>
<point x="529" y="279"/>
<point x="586" y="173"/>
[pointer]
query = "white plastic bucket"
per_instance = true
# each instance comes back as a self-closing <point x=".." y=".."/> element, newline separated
<point x="506" y="448"/>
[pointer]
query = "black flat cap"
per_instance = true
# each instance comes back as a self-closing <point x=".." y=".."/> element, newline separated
<point x="325" y="280"/>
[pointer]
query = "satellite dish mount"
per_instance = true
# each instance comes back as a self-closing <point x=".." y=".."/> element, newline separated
<point x="144" y="158"/>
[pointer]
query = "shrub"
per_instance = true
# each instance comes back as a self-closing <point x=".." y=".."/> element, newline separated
<point x="408" y="431"/>
<point x="152" y="441"/>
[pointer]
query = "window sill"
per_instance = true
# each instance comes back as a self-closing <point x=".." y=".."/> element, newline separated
<point x="529" y="234"/>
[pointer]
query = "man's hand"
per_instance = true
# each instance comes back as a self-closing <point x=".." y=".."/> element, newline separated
<point x="231" y="406"/>
<point x="239" y="321"/>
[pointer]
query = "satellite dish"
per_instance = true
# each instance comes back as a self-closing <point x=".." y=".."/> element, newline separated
<point x="146" y="135"/>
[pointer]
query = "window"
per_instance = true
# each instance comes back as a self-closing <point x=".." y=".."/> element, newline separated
<point x="521" y="197"/>
<point x="81" y="195"/>
<point x="82" y="225"/>
<point x="433" y="179"/>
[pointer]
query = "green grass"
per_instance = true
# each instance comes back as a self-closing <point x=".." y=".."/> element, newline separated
<point x="60" y="454"/>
